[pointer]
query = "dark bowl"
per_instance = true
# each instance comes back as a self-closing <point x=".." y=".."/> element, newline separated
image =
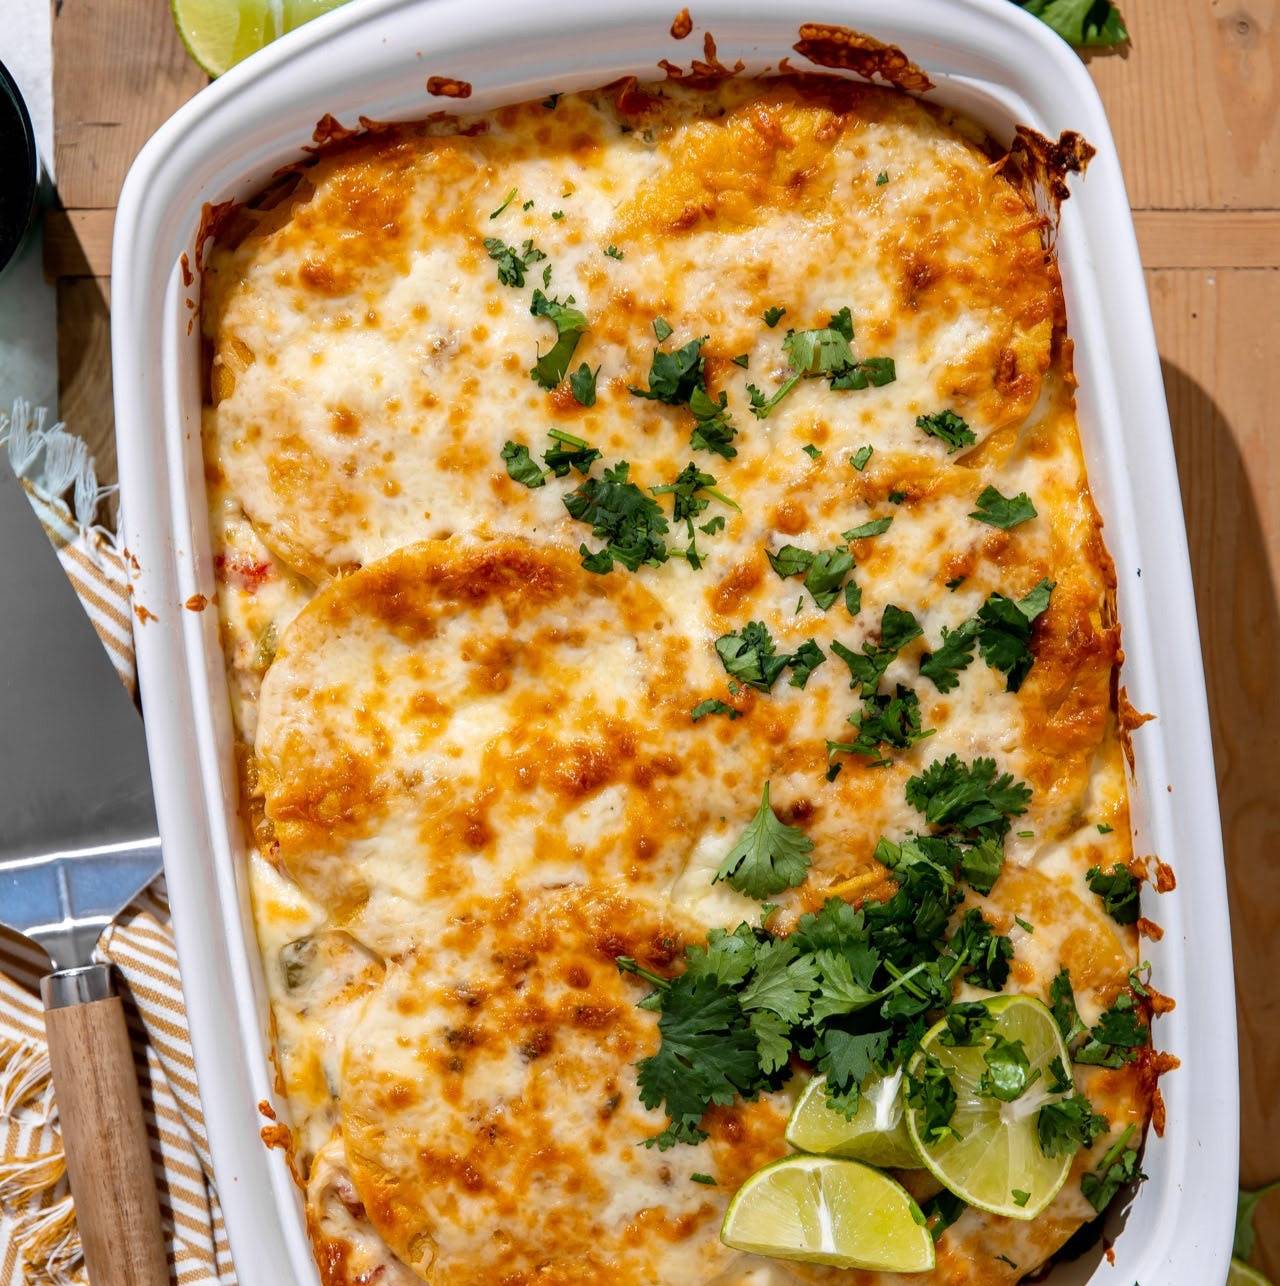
<point x="19" y="169"/>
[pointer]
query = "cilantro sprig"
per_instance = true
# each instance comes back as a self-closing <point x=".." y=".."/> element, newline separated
<point x="570" y="324"/>
<point x="750" y="656"/>
<point x="767" y="857"/>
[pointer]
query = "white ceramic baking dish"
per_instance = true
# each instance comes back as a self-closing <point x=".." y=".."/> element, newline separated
<point x="372" y="58"/>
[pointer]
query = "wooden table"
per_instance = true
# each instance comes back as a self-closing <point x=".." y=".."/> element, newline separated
<point x="1195" y="105"/>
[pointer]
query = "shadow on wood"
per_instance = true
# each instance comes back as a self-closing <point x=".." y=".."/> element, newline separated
<point x="1240" y="634"/>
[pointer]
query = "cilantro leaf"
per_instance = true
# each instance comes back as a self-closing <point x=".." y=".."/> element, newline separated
<point x="521" y="465"/>
<point x="985" y="954"/>
<point x="803" y="661"/>
<point x="773" y="1041"/>
<point x="674" y="376"/>
<point x="826" y="574"/>
<point x="768" y="857"/>
<point x="967" y="1023"/>
<point x="898" y="627"/>
<point x="824" y="351"/>
<point x="662" y="329"/>
<point x="1086" y="24"/>
<point x="1003" y="511"/>
<point x="707" y="1055"/>
<point x="1004" y="632"/>
<point x="1067" y="1125"/>
<point x="1118" y="891"/>
<point x="852" y="598"/>
<point x="506" y="201"/>
<point x="942" y="1211"/>
<point x="948" y="428"/>
<point x="762" y="407"/>
<point x="1116" y="1037"/>
<point x="772" y="316"/>
<point x="570" y="453"/>
<point x="631" y="523"/>
<point x="848" y="1058"/>
<point x="512" y="263"/>
<point x="1008" y="1075"/>
<point x="981" y="864"/>
<point x="713" y="706"/>
<point x="933" y="1095"/>
<point x="790" y="560"/>
<point x="570" y="325"/>
<point x="1248" y="1202"/>
<point x="860" y="457"/>
<point x="583" y="385"/>
<point x="876" y="527"/>
<point x="613" y="252"/>
<point x="783" y="981"/>
<point x="713" y="429"/>
<point x="1118" y="1166"/>
<point x="750" y="657"/>
<point x="969" y="799"/>
<point x="886" y="720"/>
<point x="954" y="654"/>
<point x="1062" y="1001"/>
<point x="867" y="372"/>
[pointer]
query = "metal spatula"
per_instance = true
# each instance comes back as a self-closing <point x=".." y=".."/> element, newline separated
<point x="78" y="842"/>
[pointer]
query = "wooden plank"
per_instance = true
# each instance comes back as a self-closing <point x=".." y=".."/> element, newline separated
<point x="1195" y="103"/>
<point x="119" y="71"/>
<point x="1217" y="335"/>
<point x="1208" y="238"/>
<point x="77" y="243"/>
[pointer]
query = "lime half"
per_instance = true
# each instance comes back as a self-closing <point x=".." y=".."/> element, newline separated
<point x="1242" y="1275"/>
<point x="877" y="1133"/>
<point x="993" y="1159"/>
<point x="219" y="33"/>
<point x="824" y="1210"/>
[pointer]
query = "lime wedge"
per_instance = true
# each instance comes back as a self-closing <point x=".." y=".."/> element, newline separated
<point x="993" y="1160"/>
<point x="877" y="1133"/>
<point x="1241" y="1274"/>
<point x="822" y="1210"/>
<point x="219" y="33"/>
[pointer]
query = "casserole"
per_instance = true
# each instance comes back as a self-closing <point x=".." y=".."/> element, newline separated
<point x="982" y="67"/>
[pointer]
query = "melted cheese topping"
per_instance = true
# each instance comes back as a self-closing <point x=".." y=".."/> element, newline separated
<point x="474" y="780"/>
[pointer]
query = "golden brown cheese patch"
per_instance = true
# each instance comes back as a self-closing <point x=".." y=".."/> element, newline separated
<point x="491" y="1114"/>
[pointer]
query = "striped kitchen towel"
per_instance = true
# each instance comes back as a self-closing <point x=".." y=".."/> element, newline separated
<point x="39" y="1244"/>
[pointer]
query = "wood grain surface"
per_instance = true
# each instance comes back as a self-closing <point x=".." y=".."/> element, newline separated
<point x="1195" y="107"/>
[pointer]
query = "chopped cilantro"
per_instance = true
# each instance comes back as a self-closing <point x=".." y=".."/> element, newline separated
<point x="528" y="205"/>
<point x="811" y="451"/>
<point x="860" y="457"/>
<point x="1105" y="828"/>
<point x="852" y="598"/>
<point x="1062" y="1002"/>
<point x="955" y="582"/>
<point x="947" y="427"/>
<point x="749" y="656"/>
<point x="768" y="857"/>
<point x="954" y="654"/>
<point x="506" y="201"/>
<point x="866" y="668"/>
<point x="1116" y="1037"/>
<point x="762" y="407"/>
<point x="662" y="329"/>
<point x="897" y="497"/>
<point x="713" y="525"/>
<point x="942" y="1211"/>
<point x="512" y="263"/>
<point x="583" y="384"/>
<point x="968" y="1022"/>
<point x="570" y="324"/>
<point x="550" y="102"/>
<point x="688" y="501"/>
<point x="571" y="453"/>
<point x="882" y="178"/>
<point x="743" y="360"/>
<point x="1119" y="1166"/>
<point x="884" y="720"/>
<point x="1067" y="1125"/>
<point x="673" y="376"/>
<point x="933" y="1095"/>
<point x="613" y="252"/>
<point x="1118" y="891"/>
<point x="557" y="215"/>
<point x="521" y="465"/>
<point x="790" y="560"/>
<point x="1004" y="632"/>
<point x="631" y="523"/>
<point x="713" y="706"/>
<point x="696" y="1177"/>
<point x="968" y="800"/>
<point x="1008" y="1076"/>
<point x="876" y="527"/>
<point x="713" y="429"/>
<point x="1003" y="511"/>
<point x="804" y="660"/>
<point x="985" y="953"/>
<point x="772" y="316"/>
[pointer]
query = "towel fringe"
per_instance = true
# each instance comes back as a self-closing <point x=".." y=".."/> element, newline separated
<point x="25" y="1074"/>
<point x="67" y="465"/>
<point x="25" y="1178"/>
<point x="49" y="1243"/>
